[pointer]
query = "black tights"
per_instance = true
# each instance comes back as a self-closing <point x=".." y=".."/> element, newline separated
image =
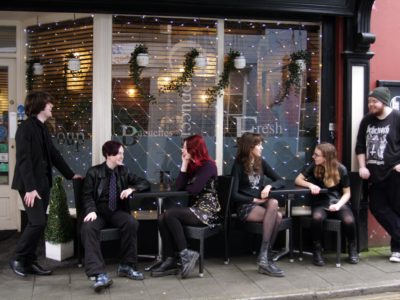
<point x="319" y="214"/>
<point x="271" y="218"/>
<point x="170" y="224"/>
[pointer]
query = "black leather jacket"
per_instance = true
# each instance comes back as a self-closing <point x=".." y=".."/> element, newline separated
<point x="96" y="178"/>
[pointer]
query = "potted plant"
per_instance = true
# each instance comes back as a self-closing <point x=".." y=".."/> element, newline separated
<point x="188" y="70"/>
<point x="74" y="64"/>
<point x="136" y="70"/>
<point x="229" y="65"/>
<point x="59" y="231"/>
<point x="142" y="57"/>
<point x="298" y="63"/>
<point x="30" y="71"/>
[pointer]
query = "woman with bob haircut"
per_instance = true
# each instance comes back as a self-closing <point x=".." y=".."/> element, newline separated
<point x="326" y="172"/>
<point x="250" y="194"/>
<point x="198" y="176"/>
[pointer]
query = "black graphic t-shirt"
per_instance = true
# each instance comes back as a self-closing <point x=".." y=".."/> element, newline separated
<point x="379" y="140"/>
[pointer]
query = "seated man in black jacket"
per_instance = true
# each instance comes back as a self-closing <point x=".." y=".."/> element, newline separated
<point x="105" y="192"/>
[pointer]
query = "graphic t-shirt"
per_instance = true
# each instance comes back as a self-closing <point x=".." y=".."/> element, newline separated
<point x="379" y="140"/>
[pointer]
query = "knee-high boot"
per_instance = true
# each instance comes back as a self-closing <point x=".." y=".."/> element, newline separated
<point x="265" y="262"/>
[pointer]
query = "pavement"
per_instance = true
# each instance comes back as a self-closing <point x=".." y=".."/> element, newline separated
<point x="237" y="280"/>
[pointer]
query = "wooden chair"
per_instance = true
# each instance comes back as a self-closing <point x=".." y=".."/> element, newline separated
<point x="334" y="225"/>
<point x="106" y="234"/>
<point x="224" y="190"/>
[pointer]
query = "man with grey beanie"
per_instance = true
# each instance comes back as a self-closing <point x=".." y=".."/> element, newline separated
<point x="378" y="154"/>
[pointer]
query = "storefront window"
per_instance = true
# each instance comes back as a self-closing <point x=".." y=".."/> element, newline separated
<point x="276" y="94"/>
<point x="152" y="120"/>
<point x="59" y="60"/>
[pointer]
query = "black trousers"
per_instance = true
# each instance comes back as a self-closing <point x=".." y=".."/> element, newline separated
<point x="27" y="244"/>
<point x="90" y="233"/>
<point x="384" y="202"/>
<point x="170" y="224"/>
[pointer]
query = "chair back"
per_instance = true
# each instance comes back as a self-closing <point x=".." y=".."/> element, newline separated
<point x="224" y="191"/>
<point x="77" y="185"/>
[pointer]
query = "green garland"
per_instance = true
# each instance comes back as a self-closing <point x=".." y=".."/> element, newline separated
<point x="136" y="71"/>
<point x="179" y="83"/>
<point x="29" y="73"/>
<point x="60" y="227"/>
<point x="294" y="71"/>
<point x="229" y="66"/>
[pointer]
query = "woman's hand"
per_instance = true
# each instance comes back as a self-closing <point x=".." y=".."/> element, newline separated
<point x="90" y="217"/>
<point x="334" y="207"/>
<point x="364" y="173"/>
<point x="30" y="197"/>
<point x="259" y="201"/>
<point x="125" y="193"/>
<point x="397" y="168"/>
<point x="77" y="176"/>
<point x="265" y="191"/>
<point x="315" y="189"/>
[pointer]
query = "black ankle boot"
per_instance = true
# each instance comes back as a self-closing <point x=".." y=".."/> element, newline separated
<point x="317" y="259"/>
<point x="353" y="254"/>
<point x="188" y="261"/>
<point x="265" y="262"/>
<point x="168" y="267"/>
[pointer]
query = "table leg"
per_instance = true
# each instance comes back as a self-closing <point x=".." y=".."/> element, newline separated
<point x="286" y="250"/>
<point x="158" y="259"/>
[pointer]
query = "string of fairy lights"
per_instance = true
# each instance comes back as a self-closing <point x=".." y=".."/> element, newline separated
<point x="291" y="126"/>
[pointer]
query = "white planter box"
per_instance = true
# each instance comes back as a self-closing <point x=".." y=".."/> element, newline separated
<point x="59" y="252"/>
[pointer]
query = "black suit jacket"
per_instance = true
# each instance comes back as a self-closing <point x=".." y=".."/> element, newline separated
<point x="36" y="155"/>
<point x="96" y="179"/>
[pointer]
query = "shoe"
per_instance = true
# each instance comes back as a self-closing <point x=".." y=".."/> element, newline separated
<point x="353" y="254"/>
<point x="102" y="281"/>
<point x="265" y="263"/>
<point x="188" y="261"/>
<point x="18" y="268"/>
<point x="168" y="267"/>
<point x="35" y="268"/>
<point x="317" y="259"/>
<point x="130" y="272"/>
<point x="395" y="257"/>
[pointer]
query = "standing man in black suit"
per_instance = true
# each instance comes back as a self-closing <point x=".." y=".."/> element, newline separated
<point x="106" y="189"/>
<point x="36" y="156"/>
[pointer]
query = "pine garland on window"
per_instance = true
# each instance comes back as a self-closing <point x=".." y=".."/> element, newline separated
<point x="60" y="227"/>
<point x="136" y="71"/>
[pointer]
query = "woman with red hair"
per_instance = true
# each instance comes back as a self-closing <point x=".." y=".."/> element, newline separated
<point x="197" y="176"/>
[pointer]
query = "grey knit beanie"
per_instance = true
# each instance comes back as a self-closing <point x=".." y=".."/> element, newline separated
<point x="382" y="94"/>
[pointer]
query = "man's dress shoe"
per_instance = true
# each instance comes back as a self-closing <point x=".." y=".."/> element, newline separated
<point x="18" y="268"/>
<point x="35" y="268"/>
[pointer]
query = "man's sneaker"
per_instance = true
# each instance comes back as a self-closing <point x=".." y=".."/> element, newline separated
<point x="102" y="281"/>
<point x="395" y="257"/>
<point x="130" y="272"/>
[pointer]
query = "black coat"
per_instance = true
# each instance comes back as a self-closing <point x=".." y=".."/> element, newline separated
<point x="36" y="155"/>
<point x="96" y="179"/>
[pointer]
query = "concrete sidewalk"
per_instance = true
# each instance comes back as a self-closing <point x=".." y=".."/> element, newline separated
<point x="237" y="280"/>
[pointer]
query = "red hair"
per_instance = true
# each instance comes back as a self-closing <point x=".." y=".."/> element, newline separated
<point x="196" y="146"/>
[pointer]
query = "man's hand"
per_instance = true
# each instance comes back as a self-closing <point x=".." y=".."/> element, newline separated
<point x="90" y="217"/>
<point x="364" y="173"/>
<point x="397" y="168"/>
<point x="125" y="193"/>
<point x="30" y="197"/>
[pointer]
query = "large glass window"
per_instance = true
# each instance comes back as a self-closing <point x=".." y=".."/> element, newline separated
<point x="276" y="93"/>
<point x="59" y="60"/>
<point x="152" y="119"/>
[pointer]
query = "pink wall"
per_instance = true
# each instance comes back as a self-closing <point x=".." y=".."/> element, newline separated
<point x="385" y="24"/>
<point x="385" y="65"/>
